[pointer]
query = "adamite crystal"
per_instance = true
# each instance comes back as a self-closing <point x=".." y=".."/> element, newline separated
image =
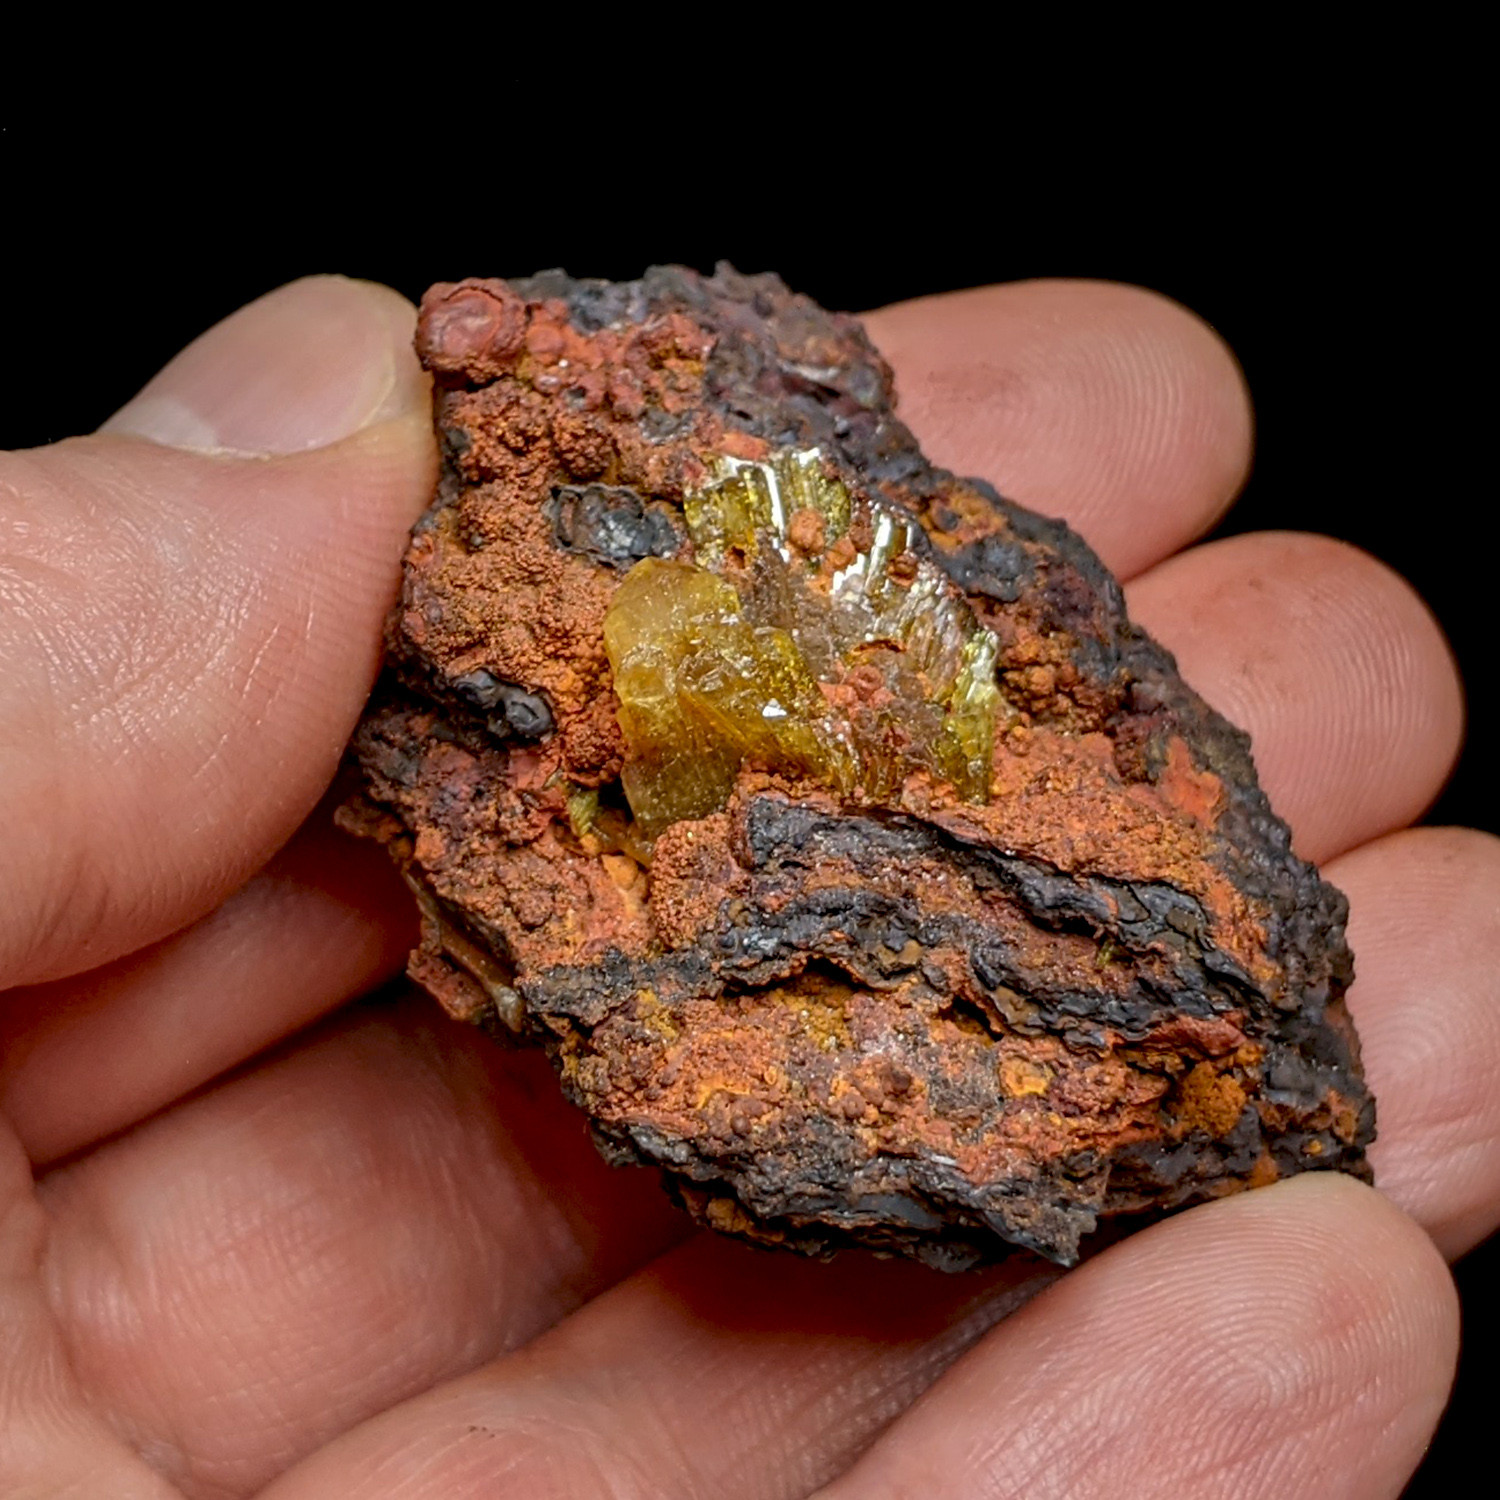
<point x="811" y="636"/>
<point x="702" y="691"/>
<point x="857" y="861"/>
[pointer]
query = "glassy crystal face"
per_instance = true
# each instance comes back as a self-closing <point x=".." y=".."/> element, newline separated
<point x="811" y="636"/>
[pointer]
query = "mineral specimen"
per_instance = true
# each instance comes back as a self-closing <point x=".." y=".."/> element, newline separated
<point x="855" y="859"/>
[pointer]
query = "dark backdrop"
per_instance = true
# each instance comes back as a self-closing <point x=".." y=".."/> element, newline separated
<point x="118" y="253"/>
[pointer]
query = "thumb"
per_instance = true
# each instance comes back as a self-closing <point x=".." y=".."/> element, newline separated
<point x="190" y="613"/>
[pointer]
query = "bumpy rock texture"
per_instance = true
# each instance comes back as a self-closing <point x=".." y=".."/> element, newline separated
<point x="855" y="859"/>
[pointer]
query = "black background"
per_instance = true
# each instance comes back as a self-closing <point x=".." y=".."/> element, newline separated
<point x="1319" y="272"/>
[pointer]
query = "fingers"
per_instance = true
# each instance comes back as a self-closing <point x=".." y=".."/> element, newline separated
<point x="83" y="1057"/>
<point x="1425" y="926"/>
<point x="269" y="1263"/>
<point x="1297" y="1342"/>
<point x="50" y="1443"/>
<point x="1121" y="412"/>
<point x="188" y="637"/>
<point x="719" y="1370"/>
<point x="1237" y="1342"/>
<point x="310" y="1160"/>
<point x="1107" y="405"/>
<point x="1332" y="664"/>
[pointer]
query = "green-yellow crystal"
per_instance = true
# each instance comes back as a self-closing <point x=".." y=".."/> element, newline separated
<point x="784" y="647"/>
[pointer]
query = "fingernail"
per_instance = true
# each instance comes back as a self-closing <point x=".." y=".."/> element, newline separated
<point x="300" y="368"/>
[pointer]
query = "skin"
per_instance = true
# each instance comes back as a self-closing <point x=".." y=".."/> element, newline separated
<point x="266" y="1231"/>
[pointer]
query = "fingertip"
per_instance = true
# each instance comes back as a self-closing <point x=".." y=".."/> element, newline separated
<point x="1332" y="663"/>
<point x="1348" y="1248"/>
<point x="1269" y="1343"/>
<point x="301" y="367"/>
<point x="1355" y="1292"/>
<point x="1428" y="1020"/>
<point x="1347" y="1307"/>
<point x="1314" y="1268"/>
<point x="1109" y="405"/>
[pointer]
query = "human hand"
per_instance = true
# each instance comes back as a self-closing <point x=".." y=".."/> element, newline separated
<point x="381" y="1259"/>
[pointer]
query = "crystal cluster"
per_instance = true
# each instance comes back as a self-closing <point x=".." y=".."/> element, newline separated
<point x="811" y="635"/>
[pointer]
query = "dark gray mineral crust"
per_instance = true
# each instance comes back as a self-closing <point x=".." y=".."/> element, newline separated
<point x="856" y="860"/>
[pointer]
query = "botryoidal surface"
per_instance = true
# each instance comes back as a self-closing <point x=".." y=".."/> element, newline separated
<point x="855" y="859"/>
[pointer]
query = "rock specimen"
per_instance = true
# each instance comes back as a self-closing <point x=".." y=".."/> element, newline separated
<point x="855" y="859"/>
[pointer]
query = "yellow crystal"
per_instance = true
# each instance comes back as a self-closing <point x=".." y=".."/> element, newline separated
<point x="785" y="647"/>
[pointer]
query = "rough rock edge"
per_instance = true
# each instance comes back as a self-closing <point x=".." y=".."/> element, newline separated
<point x="845" y="410"/>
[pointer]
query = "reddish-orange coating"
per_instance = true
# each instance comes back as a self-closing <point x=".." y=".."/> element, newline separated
<point x="921" y="1020"/>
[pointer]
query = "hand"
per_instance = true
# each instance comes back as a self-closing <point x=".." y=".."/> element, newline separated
<point x="260" y="1235"/>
